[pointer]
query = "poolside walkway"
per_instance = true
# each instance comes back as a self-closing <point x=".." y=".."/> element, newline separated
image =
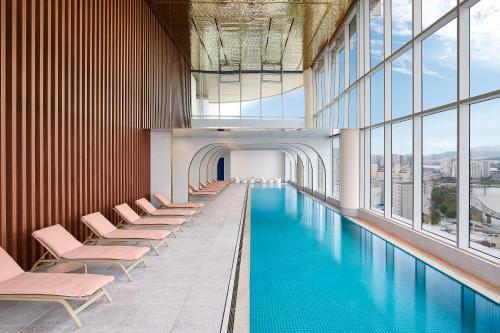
<point x="184" y="290"/>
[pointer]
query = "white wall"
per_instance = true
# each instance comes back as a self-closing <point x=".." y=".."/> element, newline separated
<point x="257" y="163"/>
<point x="161" y="164"/>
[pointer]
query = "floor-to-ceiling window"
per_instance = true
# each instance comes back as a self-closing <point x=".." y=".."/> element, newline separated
<point x="377" y="169"/>
<point x="426" y="91"/>
<point x="439" y="173"/>
<point x="484" y="176"/>
<point x="338" y="68"/>
<point x="402" y="171"/>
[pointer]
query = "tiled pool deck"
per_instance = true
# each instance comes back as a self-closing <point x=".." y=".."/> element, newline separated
<point x="183" y="290"/>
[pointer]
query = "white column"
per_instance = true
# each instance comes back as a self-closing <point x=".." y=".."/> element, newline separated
<point x="349" y="171"/>
<point x="161" y="159"/>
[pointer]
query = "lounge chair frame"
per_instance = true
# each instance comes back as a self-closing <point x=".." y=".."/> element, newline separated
<point x="123" y="223"/>
<point x="63" y="301"/>
<point x="94" y="239"/>
<point x="50" y="257"/>
<point x="144" y="213"/>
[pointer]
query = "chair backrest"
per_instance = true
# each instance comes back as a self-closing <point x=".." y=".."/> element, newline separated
<point x="127" y="213"/>
<point x="98" y="224"/>
<point x="163" y="199"/>
<point x="145" y="205"/>
<point x="56" y="239"/>
<point x="10" y="268"/>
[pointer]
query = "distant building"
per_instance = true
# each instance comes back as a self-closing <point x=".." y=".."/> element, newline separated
<point x="402" y="199"/>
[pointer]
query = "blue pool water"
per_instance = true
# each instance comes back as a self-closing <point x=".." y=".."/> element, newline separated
<point x="313" y="270"/>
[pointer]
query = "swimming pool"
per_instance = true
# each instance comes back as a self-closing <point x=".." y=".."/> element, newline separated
<point x="314" y="270"/>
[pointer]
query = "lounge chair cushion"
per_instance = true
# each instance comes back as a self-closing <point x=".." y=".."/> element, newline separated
<point x="55" y="284"/>
<point x="137" y="234"/>
<point x="127" y="213"/>
<point x="99" y="223"/>
<point x="185" y="205"/>
<point x="9" y="267"/>
<point x="106" y="252"/>
<point x="160" y="221"/>
<point x="146" y="205"/>
<point x="172" y="212"/>
<point x="57" y="239"/>
<point x="166" y="202"/>
<point x="163" y="199"/>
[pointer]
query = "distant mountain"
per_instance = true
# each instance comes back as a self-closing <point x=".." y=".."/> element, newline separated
<point x="485" y="152"/>
<point x="478" y="153"/>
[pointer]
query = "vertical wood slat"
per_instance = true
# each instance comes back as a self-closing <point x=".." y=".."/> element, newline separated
<point x="79" y="82"/>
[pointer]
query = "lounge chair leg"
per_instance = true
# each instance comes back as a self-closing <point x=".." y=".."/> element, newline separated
<point x="71" y="312"/>
<point x="125" y="271"/>
<point x="144" y="262"/>
<point x="107" y="295"/>
<point x="154" y="248"/>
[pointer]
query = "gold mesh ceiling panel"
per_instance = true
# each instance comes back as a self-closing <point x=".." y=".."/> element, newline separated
<point x="227" y="35"/>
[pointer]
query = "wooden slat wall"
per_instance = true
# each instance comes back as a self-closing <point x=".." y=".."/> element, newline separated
<point x="79" y="80"/>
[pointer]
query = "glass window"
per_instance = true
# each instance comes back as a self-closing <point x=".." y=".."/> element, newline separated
<point x="352" y="109"/>
<point x="402" y="171"/>
<point x="341" y="112"/>
<point x="271" y="100"/>
<point x="402" y="85"/>
<point x="352" y="52"/>
<point x="250" y="95"/>
<point x="341" y="70"/>
<point x="377" y="169"/>
<point x="211" y="91"/>
<point x="293" y="103"/>
<point x="484" y="47"/>
<point x="332" y="78"/>
<point x="484" y="171"/>
<point x="376" y="32"/>
<point x="377" y="97"/>
<point x="323" y="88"/>
<point x="439" y="67"/>
<point x="333" y="111"/>
<point x="196" y="79"/>
<point x="229" y="96"/>
<point x="439" y="174"/>
<point x="293" y="95"/>
<point x="401" y="24"/>
<point x="432" y="10"/>
<point x="336" y="167"/>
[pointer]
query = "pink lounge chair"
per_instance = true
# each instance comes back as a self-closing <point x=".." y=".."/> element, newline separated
<point x="62" y="247"/>
<point x="131" y="218"/>
<point x="210" y="184"/>
<point x="200" y="192"/>
<point x="18" y="285"/>
<point x="148" y="208"/>
<point x="219" y="182"/>
<point x="104" y="231"/>
<point x="165" y="202"/>
<point x="204" y="187"/>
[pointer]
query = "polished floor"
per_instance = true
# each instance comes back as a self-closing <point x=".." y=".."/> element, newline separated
<point x="184" y="290"/>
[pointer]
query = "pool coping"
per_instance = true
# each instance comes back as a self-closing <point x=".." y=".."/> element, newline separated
<point x="231" y="320"/>
<point x="478" y="285"/>
<point x="242" y="309"/>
